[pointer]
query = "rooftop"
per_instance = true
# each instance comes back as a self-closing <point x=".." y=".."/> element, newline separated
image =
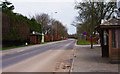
<point x="111" y="21"/>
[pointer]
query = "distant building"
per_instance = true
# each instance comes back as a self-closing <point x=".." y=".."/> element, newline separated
<point x="35" y="38"/>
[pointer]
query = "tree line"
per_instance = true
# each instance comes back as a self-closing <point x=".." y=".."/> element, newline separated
<point x="16" y="28"/>
<point x="51" y="26"/>
<point x="91" y="13"/>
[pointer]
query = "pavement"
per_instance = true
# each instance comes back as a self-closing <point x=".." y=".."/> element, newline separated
<point x="90" y="60"/>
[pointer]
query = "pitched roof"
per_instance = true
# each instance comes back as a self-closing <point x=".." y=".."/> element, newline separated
<point x="111" y="21"/>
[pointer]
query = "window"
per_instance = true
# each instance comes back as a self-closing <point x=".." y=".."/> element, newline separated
<point x="118" y="32"/>
<point x="113" y="39"/>
<point x="105" y="38"/>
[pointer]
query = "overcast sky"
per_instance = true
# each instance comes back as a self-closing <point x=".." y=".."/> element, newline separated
<point x="64" y="8"/>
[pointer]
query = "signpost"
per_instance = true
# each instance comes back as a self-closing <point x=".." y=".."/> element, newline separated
<point x="91" y="40"/>
<point x="85" y="34"/>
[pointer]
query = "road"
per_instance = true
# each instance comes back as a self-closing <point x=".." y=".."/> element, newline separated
<point x="40" y="58"/>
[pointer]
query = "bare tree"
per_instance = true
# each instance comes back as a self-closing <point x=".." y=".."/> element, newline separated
<point x="91" y="13"/>
<point x="59" y="28"/>
<point x="44" y="20"/>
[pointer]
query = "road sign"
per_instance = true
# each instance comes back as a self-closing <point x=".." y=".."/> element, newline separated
<point x="84" y="33"/>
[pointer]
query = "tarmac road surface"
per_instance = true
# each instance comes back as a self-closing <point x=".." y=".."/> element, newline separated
<point x="39" y="58"/>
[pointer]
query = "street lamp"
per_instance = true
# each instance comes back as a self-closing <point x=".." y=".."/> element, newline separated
<point x="51" y="24"/>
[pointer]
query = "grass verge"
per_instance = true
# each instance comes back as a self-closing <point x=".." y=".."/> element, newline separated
<point x="83" y="42"/>
<point x="11" y="47"/>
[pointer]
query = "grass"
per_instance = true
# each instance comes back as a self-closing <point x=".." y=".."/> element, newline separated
<point x="11" y="47"/>
<point x="44" y="42"/>
<point x="83" y="42"/>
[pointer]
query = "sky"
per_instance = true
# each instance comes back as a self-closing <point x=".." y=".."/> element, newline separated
<point x="64" y="8"/>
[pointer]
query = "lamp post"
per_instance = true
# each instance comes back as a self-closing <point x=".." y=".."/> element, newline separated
<point x="51" y="24"/>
